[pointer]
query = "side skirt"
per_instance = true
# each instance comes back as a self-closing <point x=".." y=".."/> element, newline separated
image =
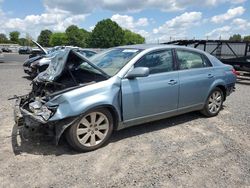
<point x="159" y="116"/>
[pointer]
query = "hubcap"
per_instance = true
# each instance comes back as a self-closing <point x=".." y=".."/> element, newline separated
<point x="92" y="129"/>
<point x="214" y="102"/>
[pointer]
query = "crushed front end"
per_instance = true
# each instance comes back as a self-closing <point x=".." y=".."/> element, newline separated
<point x="33" y="115"/>
<point x="36" y="110"/>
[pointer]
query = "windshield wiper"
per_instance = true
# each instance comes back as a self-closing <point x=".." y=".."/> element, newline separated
<point x="91" y="64"/>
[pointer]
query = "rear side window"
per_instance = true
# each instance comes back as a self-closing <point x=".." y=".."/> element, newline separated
<point x="157" y="62"/>
<point x="191" y="60"/>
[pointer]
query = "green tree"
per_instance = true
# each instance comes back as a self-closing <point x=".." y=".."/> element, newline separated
<point x="23" y="42"/>
<point x="247" y="38"/>
<point x="3" y="38"/>
<point x="44" y="37"/>
<point x="106" y="34"/>
<point x="85" y="35"/>
<point x="235" y="37"/>
<point x="14" y="36"/>
<point x="76" y="36"/>
<point x="132" y="38"/>
<point x="58" y="39"/>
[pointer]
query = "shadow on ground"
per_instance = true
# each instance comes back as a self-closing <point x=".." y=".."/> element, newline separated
<point x="28" y="78"/>
<point x="40" y="144"/>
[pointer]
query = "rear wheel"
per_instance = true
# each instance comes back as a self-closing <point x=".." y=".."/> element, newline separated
<point x="91" y="131"/>
<point x="214" y="103"/>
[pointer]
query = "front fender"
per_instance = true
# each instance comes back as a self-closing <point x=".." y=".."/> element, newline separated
<point x="79" y="101"/>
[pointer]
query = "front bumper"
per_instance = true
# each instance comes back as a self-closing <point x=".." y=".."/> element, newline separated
<point x="18" y="117"/>
<point x="24" y="118"/>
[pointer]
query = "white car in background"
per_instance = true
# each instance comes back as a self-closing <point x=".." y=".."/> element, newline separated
<point x="1" y="57"/>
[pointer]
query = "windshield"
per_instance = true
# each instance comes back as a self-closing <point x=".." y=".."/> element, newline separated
<point x="111" y="61"/>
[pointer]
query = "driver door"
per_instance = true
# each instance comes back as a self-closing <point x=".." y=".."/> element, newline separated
<point x="152" y="97"/>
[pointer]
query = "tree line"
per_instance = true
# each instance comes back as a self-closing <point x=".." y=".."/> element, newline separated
<point x="239" y="38"/>
<point x="106" y="33"/>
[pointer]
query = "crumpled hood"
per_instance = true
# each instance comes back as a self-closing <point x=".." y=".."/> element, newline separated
<point x="55" y="68"/>
<point x="57" y="65"/>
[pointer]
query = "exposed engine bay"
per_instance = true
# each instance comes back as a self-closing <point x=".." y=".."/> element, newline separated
<point x="67" y="71"/>
<point x="75" y="72"/>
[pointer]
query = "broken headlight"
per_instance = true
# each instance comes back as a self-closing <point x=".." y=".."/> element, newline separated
<point x="38" y="109"/>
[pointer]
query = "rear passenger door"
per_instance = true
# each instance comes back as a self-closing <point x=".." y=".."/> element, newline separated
<point x="195" y="76"/>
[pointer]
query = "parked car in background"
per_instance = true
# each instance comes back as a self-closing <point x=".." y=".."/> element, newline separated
<point x="122" y="87"/>
<point x="36" y="52"/>
<point x="26" y="66"/>
<point x="39" y="51"/>
<point x="35" y="57"/>
<point x="7" y="50"/>
<point x="25" y="50"/>
<point x="1" y="57"/>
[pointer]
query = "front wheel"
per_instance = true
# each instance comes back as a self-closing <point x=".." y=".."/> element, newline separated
<point x="214" y="103"/>
<point x="91" y="131"/>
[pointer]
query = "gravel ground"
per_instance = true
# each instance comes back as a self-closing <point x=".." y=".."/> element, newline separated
<point x="184" y="151"/>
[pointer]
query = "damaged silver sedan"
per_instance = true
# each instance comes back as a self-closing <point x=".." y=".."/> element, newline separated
<point x="89" y="98"/>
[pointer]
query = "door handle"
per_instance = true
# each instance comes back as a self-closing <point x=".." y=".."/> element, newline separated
<point x="172" y="82"/>
<point x="210" y="75"/>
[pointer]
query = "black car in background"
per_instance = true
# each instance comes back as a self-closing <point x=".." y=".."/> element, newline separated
<point x="7" y="50"/>
<point x="36" y="52"/>
<point x="24" y="50"/>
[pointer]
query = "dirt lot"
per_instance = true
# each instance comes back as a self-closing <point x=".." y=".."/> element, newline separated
<point x="184" y="151"/>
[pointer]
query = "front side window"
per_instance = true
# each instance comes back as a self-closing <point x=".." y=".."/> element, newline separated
<point x="157" y="62"/>
<point x="191" y="60"/>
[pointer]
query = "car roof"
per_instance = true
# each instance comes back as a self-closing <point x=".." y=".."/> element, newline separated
<point x="160" y="46"/>
<point x="142" y="46"/>
<point x="85" y="49"/>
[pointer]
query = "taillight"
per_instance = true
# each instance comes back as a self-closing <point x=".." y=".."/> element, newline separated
<point x="235" y="72"/>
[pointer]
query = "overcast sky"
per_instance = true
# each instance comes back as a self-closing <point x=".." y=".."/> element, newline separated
<point x="153" y="19"/>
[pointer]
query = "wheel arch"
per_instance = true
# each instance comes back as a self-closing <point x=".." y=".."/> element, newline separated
<point x="60" y="129"/>
<point x="113" y="112"/>
<point x="219" y="84"/>
<point x="224" y="90"/>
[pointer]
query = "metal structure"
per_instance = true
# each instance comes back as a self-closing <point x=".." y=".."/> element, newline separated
<point x="233" y="53"/>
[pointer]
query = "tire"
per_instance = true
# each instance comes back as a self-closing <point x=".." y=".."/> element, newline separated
<point x="91" y="131"/>
<point x="213" y="103"/>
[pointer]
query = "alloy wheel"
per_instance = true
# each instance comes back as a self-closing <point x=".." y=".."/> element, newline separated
<point x="92" y="129"/>
<point x="215" y="102"/>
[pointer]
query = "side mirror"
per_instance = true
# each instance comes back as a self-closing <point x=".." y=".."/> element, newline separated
<point x="138" y="72"/>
